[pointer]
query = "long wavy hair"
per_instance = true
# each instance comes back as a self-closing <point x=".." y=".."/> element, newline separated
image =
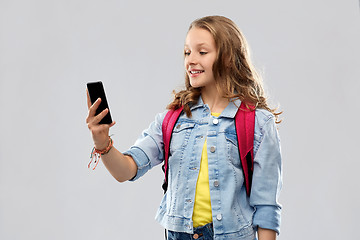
<point x="235" y="76"/>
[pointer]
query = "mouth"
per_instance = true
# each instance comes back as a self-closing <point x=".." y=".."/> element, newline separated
<point x="195" y="73"/>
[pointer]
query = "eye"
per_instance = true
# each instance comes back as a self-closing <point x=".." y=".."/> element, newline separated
<point x="203" y="53"/>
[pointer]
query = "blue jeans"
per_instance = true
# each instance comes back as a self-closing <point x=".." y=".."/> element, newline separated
<point x="201" y="233"/>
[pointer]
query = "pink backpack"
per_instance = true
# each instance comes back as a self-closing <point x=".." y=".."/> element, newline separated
<point x="244" y="124"/>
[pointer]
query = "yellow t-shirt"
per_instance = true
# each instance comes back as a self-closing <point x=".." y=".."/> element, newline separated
<point x="202" y="213"/>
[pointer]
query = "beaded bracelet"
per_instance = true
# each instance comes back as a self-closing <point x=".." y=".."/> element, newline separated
<point x="96" y="154"/>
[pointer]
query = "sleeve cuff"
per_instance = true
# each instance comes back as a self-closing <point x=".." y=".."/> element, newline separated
<point x="267" y="217"/>
<point x="141" y="159"/>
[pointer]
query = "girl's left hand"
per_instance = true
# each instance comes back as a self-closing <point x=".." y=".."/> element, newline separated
<point x="99" y="132"/>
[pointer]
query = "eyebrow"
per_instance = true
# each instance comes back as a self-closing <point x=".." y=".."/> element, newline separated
<point x="198" y="45"/>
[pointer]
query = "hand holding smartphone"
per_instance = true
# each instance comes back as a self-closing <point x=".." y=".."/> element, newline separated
<point x="96" y="90"/>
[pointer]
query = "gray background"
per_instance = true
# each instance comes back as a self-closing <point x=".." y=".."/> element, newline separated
<point x="308" y="52"/>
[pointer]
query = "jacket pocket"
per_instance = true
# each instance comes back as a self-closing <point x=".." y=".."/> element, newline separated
<point x="232" y="148"/>
<point x="180" y="136"/>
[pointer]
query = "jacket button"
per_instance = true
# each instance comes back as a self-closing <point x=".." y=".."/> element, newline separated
<point x="196" y="236"/>
<point x="212" y="149"/>
<point x="216" y="183"/>
<point x="219" y="217"/>
<point x="215" y="121"/>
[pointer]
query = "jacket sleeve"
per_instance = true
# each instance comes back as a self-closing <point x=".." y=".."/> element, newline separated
<point x="147" y="151"/>
<point x="267" y="179"/>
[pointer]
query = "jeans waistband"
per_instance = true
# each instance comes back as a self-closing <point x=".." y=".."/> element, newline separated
<point x="207" y="227"/>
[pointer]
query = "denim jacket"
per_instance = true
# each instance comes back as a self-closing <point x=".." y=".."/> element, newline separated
<point x="235" y="214"/>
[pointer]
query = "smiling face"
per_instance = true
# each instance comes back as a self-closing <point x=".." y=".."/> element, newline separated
<point x="200" y="55"/>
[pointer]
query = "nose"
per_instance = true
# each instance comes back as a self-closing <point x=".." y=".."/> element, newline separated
<point x="191" y="59"/>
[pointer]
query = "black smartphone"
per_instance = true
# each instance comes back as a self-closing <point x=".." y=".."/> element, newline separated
<point x="96" y="90"/>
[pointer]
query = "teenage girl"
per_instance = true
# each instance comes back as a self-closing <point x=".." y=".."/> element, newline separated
<point x="206" y="196"/>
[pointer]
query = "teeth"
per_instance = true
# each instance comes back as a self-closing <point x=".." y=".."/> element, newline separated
<point x="194" y="72"/>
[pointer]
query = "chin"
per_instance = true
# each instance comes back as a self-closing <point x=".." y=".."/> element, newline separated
<point x="195" y="84"/>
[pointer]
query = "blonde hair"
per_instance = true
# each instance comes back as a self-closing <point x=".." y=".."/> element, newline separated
<point x="234" y="73"/>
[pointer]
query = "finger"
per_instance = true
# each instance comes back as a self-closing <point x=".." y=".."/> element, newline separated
<point x="112" y="124"/>
<point x="100" y="116"/>
<point x="94" y="107"/>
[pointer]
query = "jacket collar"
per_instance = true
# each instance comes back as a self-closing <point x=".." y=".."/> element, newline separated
<point x="231" y="109"/>
<point x="200" y="103"/>
<point x="229" y="112"/>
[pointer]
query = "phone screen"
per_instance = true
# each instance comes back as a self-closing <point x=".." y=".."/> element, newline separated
<point x="96" y="90"/>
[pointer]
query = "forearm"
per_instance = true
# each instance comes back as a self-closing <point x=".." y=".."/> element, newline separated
<point x="120" y="166"/>
<point x="266" y="234"/>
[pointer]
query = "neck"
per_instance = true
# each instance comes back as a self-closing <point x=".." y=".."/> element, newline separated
<point x="214" y="99"/>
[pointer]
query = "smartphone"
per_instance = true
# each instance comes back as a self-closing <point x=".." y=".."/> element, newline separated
<point x="96" y="90"/>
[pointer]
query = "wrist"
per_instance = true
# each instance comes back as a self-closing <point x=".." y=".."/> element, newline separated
<point x="96" y="153"/>
<point x="106" y="149"/>
<point x="102" y="146"/>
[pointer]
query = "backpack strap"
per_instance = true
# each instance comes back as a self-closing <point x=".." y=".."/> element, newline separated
<point x="245" y="126"/>
<point x="168" y="125"/>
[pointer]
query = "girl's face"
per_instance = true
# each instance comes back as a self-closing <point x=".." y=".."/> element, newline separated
<point x="200" y="54"/>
